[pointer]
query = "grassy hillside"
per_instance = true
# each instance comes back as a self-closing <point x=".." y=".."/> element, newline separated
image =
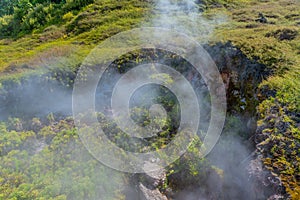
<point x="39" y="37"/>
<point x="75" y="33"/>
<point x="275" y="44"/>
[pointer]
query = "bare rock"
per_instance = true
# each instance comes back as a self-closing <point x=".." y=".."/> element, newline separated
<point x="150" y="193"/>
<point x="283" y="34"/>
<point x="154" y="174"/>
<point x="150" y="182"/>
<point x="261" y="18"/>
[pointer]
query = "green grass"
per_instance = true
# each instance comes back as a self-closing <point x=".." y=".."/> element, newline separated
<point x="93" y="24"/>
<point x="282" y="57"/>
<point x="67" y="43"/>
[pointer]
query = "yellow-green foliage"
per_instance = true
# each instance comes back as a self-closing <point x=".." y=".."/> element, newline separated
<point x="68" y="16"/>
<point x="266" y="43"/>
<point x="82" y="27"/>
<point x="93" y="24"/>
<point x="52" y="163"/>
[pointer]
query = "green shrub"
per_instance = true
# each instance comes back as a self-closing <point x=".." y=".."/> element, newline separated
<point x="68" y="16"/>
<point x="29" y="15"/>
<point x="7" y="7"/>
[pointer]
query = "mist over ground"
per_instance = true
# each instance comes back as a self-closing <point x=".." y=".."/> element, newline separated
<point x="256" y="157"/>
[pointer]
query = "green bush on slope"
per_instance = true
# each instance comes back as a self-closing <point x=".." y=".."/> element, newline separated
<point x="52" y="163"/>
<point x="275" y="44"/>
<point x="31" y="15"/>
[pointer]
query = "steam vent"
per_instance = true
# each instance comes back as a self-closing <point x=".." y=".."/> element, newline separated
<point x="149" y="100"/>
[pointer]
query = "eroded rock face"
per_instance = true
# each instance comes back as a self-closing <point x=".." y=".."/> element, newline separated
<point x="150" y="193"/>
<point x="152" y="177"/>
<point x="241" y="76"/>
<point x="265" y="184"/>
<point x="151" y="181"/>
<point x="146" y="186"/>
<point x="277" y="147"/>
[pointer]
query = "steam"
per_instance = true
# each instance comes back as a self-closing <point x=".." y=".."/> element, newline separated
<point x="36" y="97"/>
<point x="65" y="164"/>
<point x="185" y="16"/>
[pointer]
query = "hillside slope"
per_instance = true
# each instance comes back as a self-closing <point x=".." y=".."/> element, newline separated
<point x="43" y="43"/>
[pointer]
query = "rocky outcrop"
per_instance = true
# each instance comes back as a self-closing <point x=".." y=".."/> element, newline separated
<point x="241" y="77"/>
<point x="277" y="143"/>
<point x="151" y="181"/>
<point x="151" y="193"/>
<point x="261" y="18"/>
<point x="283" y="34"/>
<point x="147" y="185"/>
